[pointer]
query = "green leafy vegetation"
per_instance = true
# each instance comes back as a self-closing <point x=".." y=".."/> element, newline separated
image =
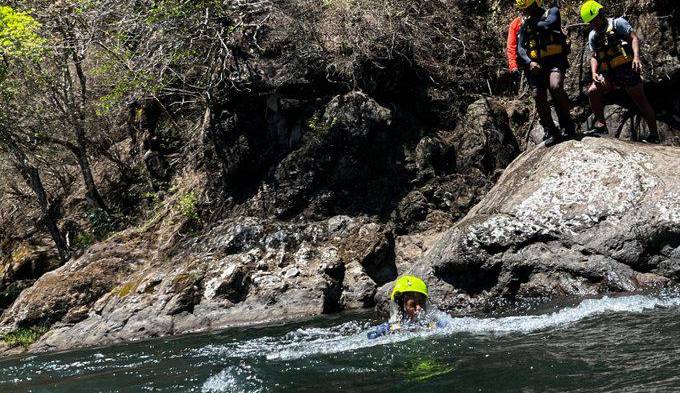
<point x="24" y="337"/>
<point x="19" y="34"/>
<point x="319" y="125"/>
<point x="19" y="41"/>
<point x="188" y="206"/>
<point x="83" y="240"/>
<point x="100" y="222"/>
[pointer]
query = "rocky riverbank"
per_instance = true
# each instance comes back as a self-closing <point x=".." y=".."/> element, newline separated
<point x="296" y="165"/>
<point x="582" y="218"/>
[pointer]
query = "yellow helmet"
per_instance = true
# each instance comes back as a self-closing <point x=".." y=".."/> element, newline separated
<point x="524" y="4"/>
<point x="590" y="10"/>
<point x="409" y="284"/>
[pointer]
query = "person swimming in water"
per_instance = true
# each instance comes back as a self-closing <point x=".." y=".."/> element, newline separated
<point x="410" y="295"/>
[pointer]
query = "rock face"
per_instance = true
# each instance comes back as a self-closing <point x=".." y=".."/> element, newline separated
<point x="484" y="140"/>
<point x="20" y="268"/>
<point x="347" y="210"/>
<point x="241" y="272"/>
<point x="337" y="161"/>
<point x="581" y="218"/>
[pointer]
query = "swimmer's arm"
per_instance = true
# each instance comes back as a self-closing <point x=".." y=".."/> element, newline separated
<point x="380" y="330"/>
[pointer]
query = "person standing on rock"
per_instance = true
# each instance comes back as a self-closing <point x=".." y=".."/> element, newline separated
<point x="410" y="294"/>
<point x="543" y="49"/>
<point x="615" y="64"/>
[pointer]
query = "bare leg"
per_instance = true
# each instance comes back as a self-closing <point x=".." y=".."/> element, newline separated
<point x="561" y="100"/>
<point x="595" y="93"/>
<point x="543" y="108"/>
<point x="637" y="94"/>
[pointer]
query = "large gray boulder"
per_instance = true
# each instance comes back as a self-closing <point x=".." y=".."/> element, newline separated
<point x="581" y="218"/>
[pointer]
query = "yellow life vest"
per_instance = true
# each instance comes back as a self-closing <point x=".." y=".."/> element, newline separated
<point x="541" y="44"/>
<point x="611" y="50"/>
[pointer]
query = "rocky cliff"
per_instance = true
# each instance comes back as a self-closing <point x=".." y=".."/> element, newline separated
<point x="584" y="218"/>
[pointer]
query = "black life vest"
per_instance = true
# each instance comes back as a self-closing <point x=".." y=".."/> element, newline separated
<point x="611" y="49"/>
<point x="541" y="44"/>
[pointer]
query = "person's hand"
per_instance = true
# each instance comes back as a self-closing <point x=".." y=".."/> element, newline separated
<point x="599" y="79"/>
<point x="535" y="68"/>
<point x="637" y="65"/>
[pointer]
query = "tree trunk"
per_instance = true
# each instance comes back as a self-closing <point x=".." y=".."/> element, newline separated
<point x="80" y="105"/>
<point x="32" y="178"/>
<point x="93" y="197"/>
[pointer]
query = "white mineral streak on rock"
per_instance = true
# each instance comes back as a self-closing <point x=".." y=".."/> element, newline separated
<point x="586" y="185"/>
<point x="669" y="208"/>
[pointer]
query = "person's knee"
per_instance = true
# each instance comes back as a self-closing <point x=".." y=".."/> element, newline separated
<point x="556" y="87"/>
<point x="594" y="90"/>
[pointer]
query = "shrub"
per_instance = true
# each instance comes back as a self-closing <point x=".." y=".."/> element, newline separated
<point x="24" y="336"/>
<point x="188" y="206"/>
<point x="83" y="240"/>
<point x="100" y="222"/>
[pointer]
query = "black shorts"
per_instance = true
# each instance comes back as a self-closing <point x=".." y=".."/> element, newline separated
<point x="542" y="81"/>
<point x="624" y="77"/>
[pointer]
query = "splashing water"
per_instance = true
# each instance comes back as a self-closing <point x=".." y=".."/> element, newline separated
<point x="233" y="379"/>
<point x="352" y="336"/>
<point x="610" y="344"/>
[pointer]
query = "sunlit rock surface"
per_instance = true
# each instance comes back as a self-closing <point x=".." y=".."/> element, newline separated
<point x="581" y="218"/>
<point x="242" y="272"/>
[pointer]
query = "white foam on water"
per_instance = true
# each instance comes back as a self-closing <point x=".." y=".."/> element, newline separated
<point x="351" y="336"/>
<point x="233" y="379"/>
<point x="562" y="318"/>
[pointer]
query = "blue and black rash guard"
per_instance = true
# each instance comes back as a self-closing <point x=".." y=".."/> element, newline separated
<point x="387" y="328"/>
<point x="551" y="23"/>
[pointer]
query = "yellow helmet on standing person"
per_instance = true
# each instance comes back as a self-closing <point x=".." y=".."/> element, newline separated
<point x="590" y="10"/>
<point x="524" y="4"/>
<point x="408" y="284"/>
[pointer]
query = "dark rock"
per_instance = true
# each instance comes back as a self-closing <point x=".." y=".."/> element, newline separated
<point x="11" y="291"/>
<point x="484" y="139"/>
<point x="411" y="211"/>
<point x="235" y="285"/>
<point x="625" y="123"/>
<point x="337" y="151"/>
<point x="373" y="248"/>
<point x="434" y="156"/>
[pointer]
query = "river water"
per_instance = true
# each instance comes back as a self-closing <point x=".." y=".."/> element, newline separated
<point x="612" y="344"/>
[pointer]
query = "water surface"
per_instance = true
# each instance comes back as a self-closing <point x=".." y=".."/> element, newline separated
<point x="622" y="344"/>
